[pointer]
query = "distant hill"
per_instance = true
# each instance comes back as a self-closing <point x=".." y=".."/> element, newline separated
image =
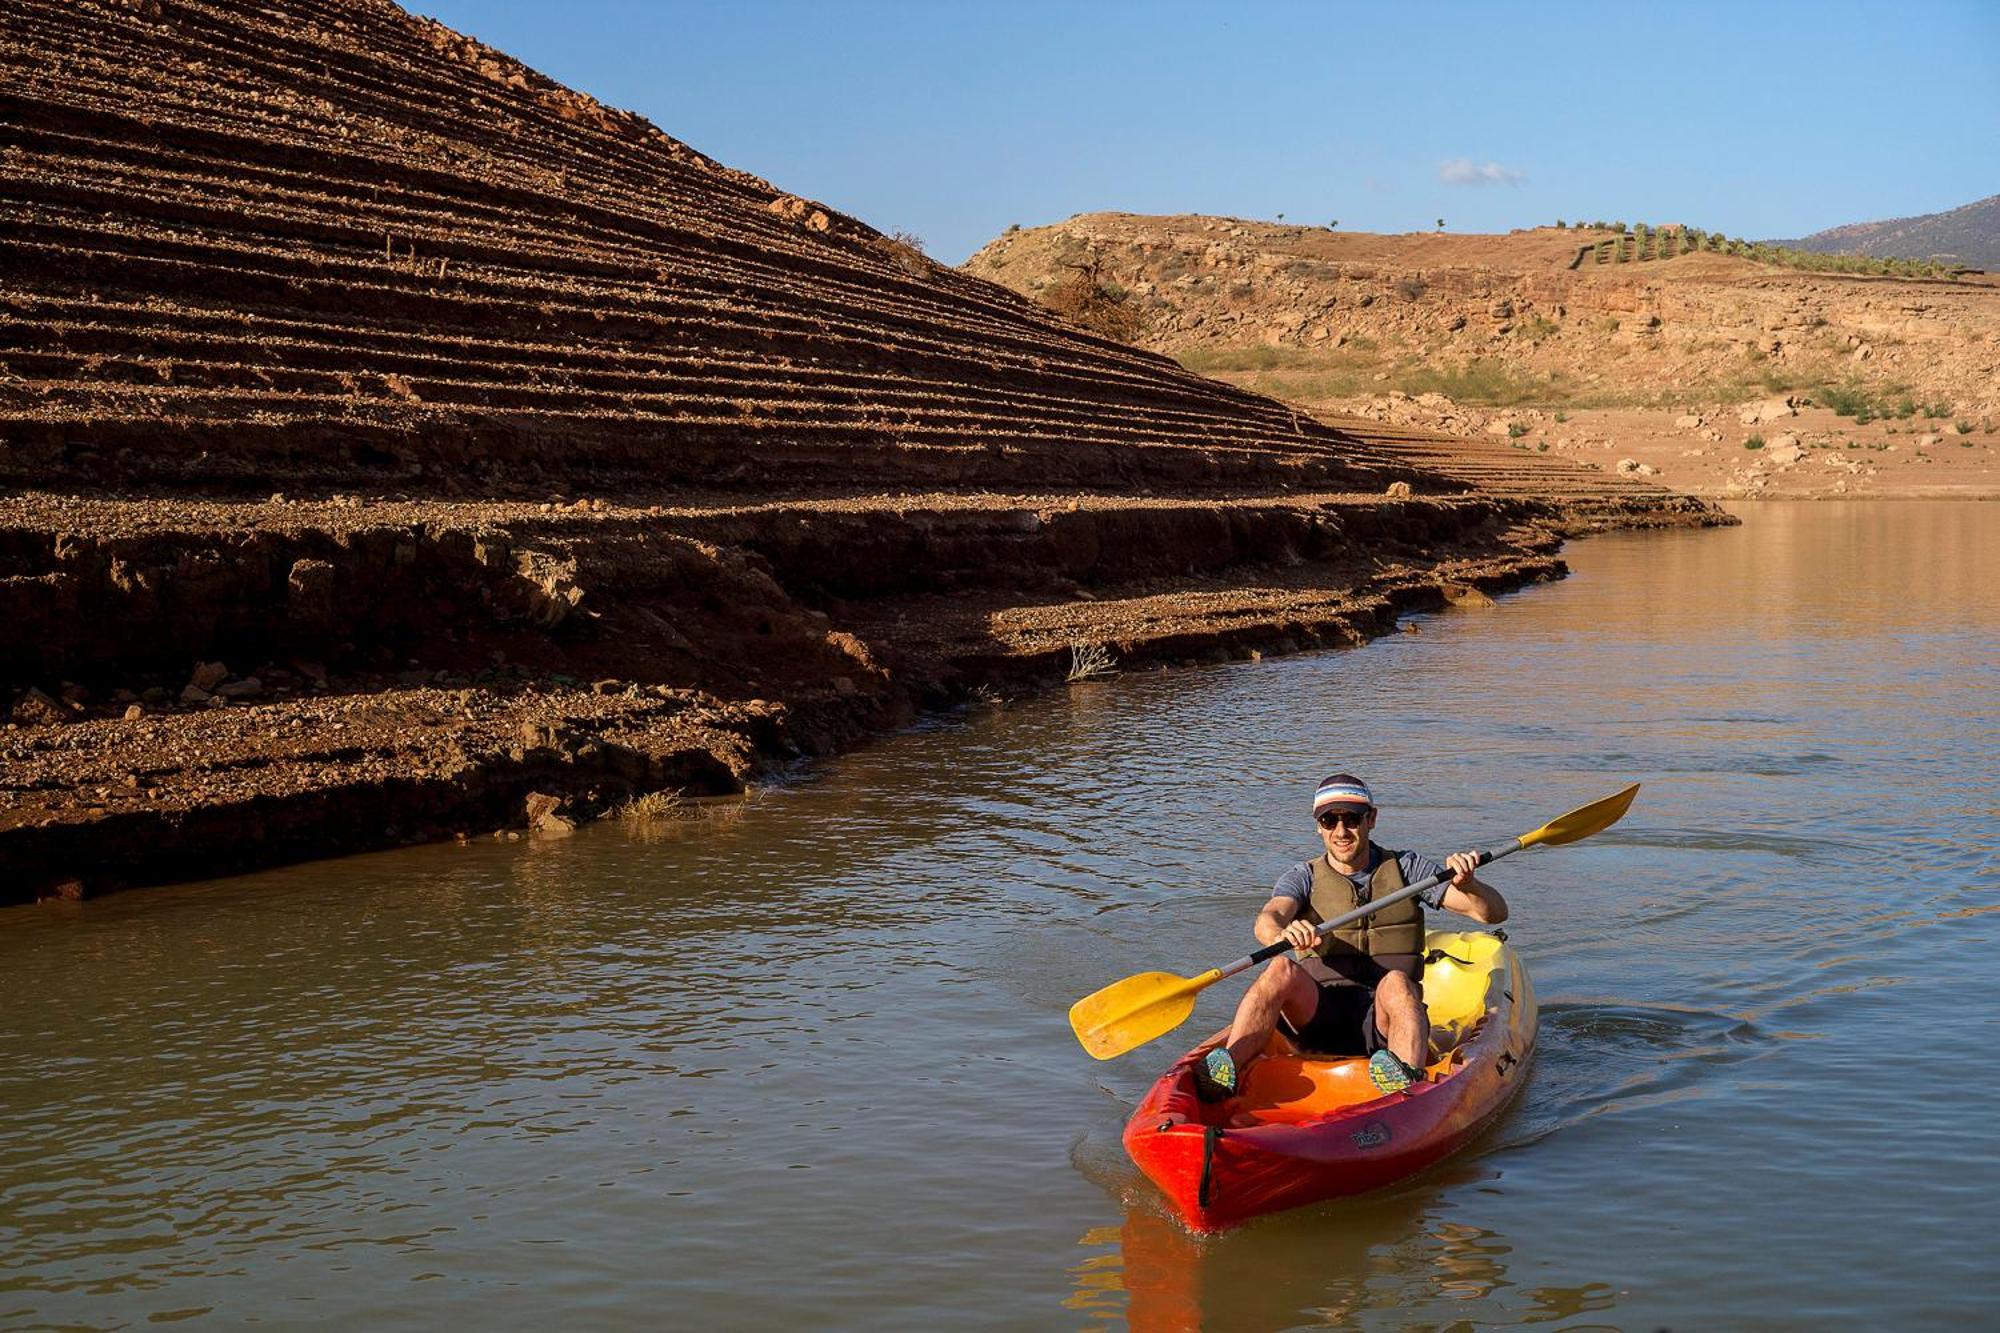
<point x="1331" y="320"/>
<point x="1970" y="235"/>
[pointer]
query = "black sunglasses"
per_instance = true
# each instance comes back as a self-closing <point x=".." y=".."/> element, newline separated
<point x="1351" y="818"/>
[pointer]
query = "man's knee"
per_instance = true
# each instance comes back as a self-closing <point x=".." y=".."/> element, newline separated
<point x="1279" y="974"/>
<point x="1398" y="994"/>
<point x="1286" y="985"/>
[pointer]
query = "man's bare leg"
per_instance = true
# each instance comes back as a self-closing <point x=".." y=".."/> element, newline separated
<point x="1402" y="1020"/>
<point x="1282" y="988"/>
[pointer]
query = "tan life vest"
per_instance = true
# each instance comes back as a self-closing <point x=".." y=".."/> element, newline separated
<point x="1357" y="951"/>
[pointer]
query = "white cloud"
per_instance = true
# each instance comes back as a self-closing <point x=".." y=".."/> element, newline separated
<point x="1464" y="171"/>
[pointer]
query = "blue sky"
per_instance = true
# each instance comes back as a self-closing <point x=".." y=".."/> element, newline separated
<point x="953" y="120"/>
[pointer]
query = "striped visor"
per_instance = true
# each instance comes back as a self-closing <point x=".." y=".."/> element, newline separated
<point x="1344" y="794"/>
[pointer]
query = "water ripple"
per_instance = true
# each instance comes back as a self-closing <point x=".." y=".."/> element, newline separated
<point x="803" y="1060"/>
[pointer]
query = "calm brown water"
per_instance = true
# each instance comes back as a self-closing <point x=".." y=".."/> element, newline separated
<point x="808" y="1065"/>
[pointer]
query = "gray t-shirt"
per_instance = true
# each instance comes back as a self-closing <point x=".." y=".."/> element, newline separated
<point x="1297" y="882"/>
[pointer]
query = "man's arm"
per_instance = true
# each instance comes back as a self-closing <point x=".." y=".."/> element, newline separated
<point x="1280" y="919"/>
<point x="1467" y="896"/>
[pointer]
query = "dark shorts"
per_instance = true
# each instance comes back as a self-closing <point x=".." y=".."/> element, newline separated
<point x="1344" y="1023"/>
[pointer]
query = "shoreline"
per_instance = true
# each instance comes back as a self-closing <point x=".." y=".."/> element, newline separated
<point x="546" y="721"/>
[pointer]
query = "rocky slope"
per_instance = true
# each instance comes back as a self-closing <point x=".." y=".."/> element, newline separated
<point x="1969" y="234"/>
<point x="395" y="444"/>
<point x="1528" y="336"/>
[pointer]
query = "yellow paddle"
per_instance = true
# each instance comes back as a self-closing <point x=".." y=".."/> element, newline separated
<point x="1129" y="1013"/>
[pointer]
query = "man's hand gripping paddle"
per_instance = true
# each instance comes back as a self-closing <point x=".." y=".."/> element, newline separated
<point x="1129" y="1013"/>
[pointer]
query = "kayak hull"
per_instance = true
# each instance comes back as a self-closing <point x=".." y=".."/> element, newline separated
<point x="1304" y="1129"/>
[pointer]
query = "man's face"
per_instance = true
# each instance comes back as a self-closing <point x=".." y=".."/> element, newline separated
<point x="1345" y="832"/>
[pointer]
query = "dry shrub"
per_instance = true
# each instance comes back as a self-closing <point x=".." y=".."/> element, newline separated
<point x="653" y="805"/>
<point x="1090" y="661"/>
<point x="1091" y="303"/>
<point x="907" y="250"/>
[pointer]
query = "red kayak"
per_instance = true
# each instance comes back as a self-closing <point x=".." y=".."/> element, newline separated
<point x="1307" y="1128"/>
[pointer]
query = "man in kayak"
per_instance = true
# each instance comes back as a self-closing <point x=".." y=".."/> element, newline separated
<point x="1358" y="991"/>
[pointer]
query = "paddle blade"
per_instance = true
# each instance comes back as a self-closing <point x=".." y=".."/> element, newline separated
<point x="1129" y="1013"/>
<point x="1583" y="821"/>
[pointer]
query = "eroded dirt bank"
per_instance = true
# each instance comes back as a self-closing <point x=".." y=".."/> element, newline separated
<point x="395" y="444"/>
<point x="283" y="681"/>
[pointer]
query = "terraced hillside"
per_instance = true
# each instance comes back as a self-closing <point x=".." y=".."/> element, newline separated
<point x="395" y="443"/>
<point x="324" y="244"/>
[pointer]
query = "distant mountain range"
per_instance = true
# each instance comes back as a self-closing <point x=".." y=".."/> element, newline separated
<point x="1969" y="235"/>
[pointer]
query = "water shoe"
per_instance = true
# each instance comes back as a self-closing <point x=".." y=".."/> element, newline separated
<point x="1215" y="1076"/>
<point x="1388" y="1073"/>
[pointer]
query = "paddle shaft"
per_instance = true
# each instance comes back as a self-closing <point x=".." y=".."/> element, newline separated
<point x="1487" y="855"/>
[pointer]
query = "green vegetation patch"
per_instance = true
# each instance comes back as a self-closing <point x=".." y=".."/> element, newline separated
<point x="1483" y="382"/>
<point x="1865" y="403"/>
<point x="1535" y="328"/>
<point x="1309" y="375"/>
<point x="1226" y="360"/>
<point x="1642" y="242"/>
<point x="1294" y="373"/>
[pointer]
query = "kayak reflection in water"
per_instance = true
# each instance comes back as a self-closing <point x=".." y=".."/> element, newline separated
<point x="1359" y="990"/>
